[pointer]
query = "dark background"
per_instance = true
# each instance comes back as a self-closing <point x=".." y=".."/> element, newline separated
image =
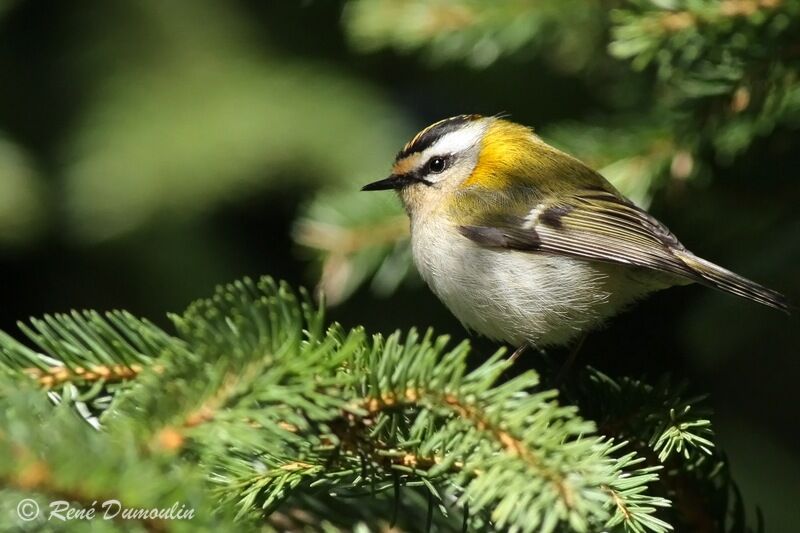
<point x="233" y="115"/>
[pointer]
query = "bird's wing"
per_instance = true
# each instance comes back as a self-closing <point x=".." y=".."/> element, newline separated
<point x="598" y="224"/>
<point x="590" y="224"/>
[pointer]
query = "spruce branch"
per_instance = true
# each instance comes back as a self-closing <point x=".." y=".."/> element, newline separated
<point x="656" y="416"/>
<point x="400" y="400"/>
<point x="83" y="358"/>
<point x="729" y="66"/>
<point x="667" y="426"/>
<point x="478" y="33"/>
<point x="271" y="405"/>
<point x="84" y="347"/>
<point x="356" y="242"/>
<point x="51" y="455"/>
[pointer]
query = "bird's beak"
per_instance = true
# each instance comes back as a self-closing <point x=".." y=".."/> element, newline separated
<point x="392" y="182"/>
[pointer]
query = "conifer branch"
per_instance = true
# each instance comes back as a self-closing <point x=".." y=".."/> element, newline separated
<point x="273" y="405"/>
<point x="82" y="348"/>
<point x="729" y="63"/>
<point x="356" y="242"/>
<point x="667" y="422"/>
<point x="51" y="455"/>
<point x="477" y="32"/>
<point x="56" y="376"/>
<point x="668" y="427"/>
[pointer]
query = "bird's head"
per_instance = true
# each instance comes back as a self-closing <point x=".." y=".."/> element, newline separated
<point x="459" y="154"/>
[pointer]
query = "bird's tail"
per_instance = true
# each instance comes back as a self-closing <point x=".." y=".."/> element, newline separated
<point x="720" y="278"/>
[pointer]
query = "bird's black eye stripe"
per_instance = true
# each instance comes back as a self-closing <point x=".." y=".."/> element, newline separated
<point x="436" y="164"/>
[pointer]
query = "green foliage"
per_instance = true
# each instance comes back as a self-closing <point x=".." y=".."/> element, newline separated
<point x="732" y="63"/>
<point x="674" y="424"/>
<point x="275" y="410"/>
<point x="476" y="31"/>
<point x="359" y="241"/>
<point x="670" y="428"/>
<point x="49" y="454"/>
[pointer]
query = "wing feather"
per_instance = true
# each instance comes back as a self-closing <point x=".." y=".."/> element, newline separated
<point x="600" y="225"/>
<point x="595" y="225"/>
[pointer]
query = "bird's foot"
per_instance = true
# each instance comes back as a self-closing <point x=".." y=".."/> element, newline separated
<point x="519" y="351"/>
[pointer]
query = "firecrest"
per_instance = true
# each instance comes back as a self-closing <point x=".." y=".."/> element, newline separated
<point x="527" y="245"/>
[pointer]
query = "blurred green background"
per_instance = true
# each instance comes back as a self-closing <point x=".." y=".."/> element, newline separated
<point x="150" y="150"/>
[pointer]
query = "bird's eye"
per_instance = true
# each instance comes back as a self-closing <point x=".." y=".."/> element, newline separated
<point x="437" y="165"/>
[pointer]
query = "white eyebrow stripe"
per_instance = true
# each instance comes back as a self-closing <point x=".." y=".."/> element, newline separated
<point x="457" y="141"/>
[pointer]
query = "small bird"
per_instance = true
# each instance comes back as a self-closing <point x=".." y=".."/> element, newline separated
<point x="527" y="245"/>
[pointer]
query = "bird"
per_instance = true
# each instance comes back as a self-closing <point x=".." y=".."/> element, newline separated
<point x="526" y="244"/>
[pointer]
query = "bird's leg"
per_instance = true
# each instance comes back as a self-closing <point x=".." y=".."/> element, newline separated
<point x="519" y="351"/>
<point x="524" y="347"/>
<point x="573" y="355"/>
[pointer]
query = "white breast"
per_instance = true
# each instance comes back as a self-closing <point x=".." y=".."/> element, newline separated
<point x="514" y="296"/>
